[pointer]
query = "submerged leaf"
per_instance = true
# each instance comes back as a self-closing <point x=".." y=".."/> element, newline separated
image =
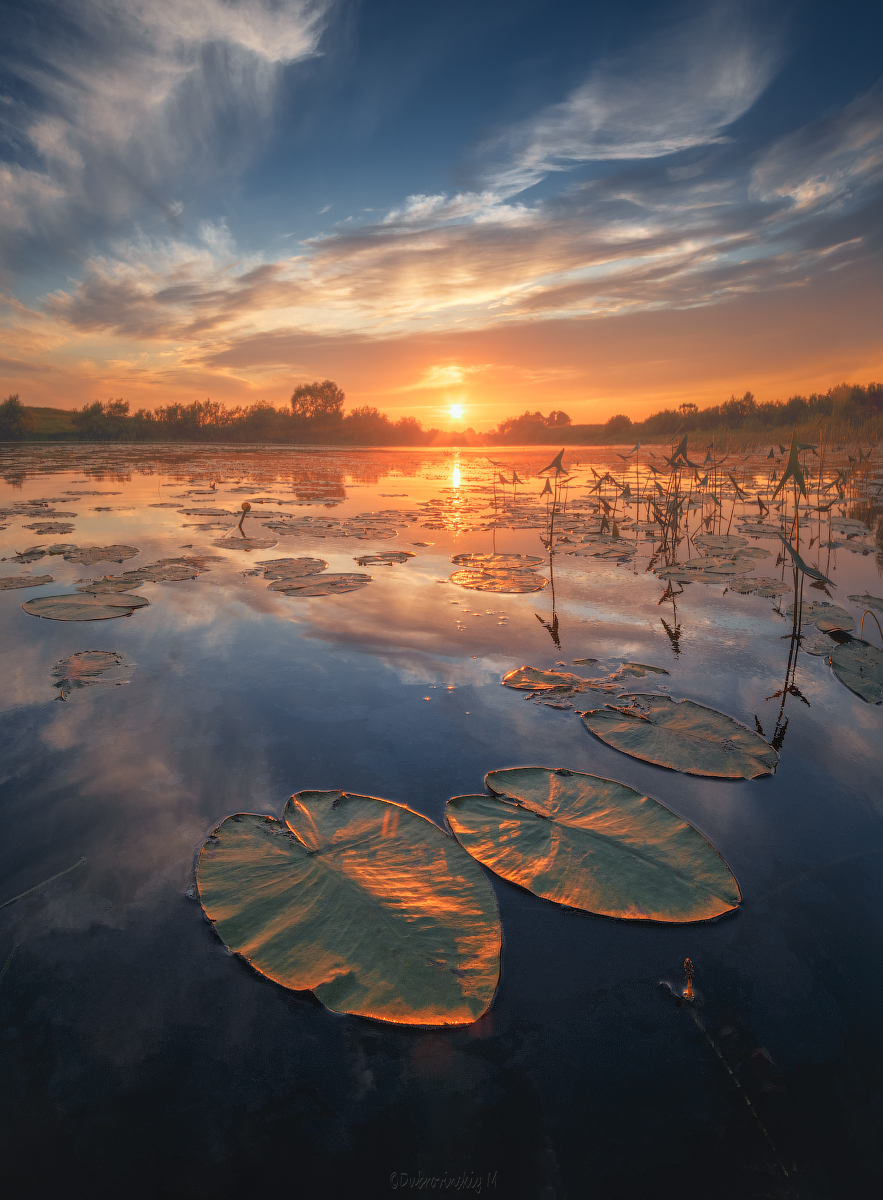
<point x="683" y="736"/>
<point x="594" y="844"/>
<point x="86" y="606"/>
<point x="365" y="902"/>
<point x="860" y="666"/>
<point x="81" y="670"/>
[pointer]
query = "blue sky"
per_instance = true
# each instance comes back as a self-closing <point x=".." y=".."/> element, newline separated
<point x="602" y="208"/>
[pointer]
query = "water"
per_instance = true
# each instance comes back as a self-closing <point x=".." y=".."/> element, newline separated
<point x="140" y="1058"/>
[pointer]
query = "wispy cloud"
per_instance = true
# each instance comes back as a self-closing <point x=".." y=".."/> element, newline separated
<point x="674" y="90"/>
<point x="120" y="104"/>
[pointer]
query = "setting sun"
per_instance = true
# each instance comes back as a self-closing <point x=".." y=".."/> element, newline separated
<point x="457" y="411"/>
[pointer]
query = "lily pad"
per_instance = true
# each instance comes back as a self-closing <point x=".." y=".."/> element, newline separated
<point x="51" y="527"/>
<point x="860" y="666"/>
<point x="594" y="844"/>
<point x="683" y="736"/>
<point x="817" y="644"/>
<point x="824" y="615"/>
<point x="9" y="582"/>
<point x="82" y="670"/>
<point x="84" y="606"/>
<point x="364" y="902"/>
<point x="720" y="543"/>
<point x="235" y="542"/>
<point x="492" y="561"/>
<point x="93" y="554"/>
<point x="760" y="585"/>
<point x="291" y="568"/>
<point x="867" y="601"/>
<point x="330" y="584"/>
<point x="532" y="679"/>
<point x="35" y="553"/>
<point x="385" y="558"/>
<point x="165" y="570"/>
<point x="500" y="580"/>
<point x="759" y="528"/>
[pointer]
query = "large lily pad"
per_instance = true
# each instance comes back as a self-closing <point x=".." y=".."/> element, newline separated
<point x="10" y="582"/>
<point x="866" y="601"/>
<point x="85" y="606"/>
<point x="496" y="561"/>
<point x="860" y="666"/>
<point x="366" y="903"/>
<point x="823" y="615"/>
<point x="329" y="584"/>
<point x="594" y="844"/>
<point x="235" y="542"/>
<point x="683" y="736"/>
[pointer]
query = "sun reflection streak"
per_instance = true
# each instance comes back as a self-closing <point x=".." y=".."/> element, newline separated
<point x="455" y="477"/>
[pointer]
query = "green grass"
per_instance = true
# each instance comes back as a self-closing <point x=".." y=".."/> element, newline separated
<point x="49" y="421"/>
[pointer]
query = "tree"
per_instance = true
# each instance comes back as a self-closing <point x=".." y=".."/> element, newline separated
<point x="321" y="402"/>
<point x="15" y="420"/>
<point x="688" y="409"/>
<point x="618" y="426"/>
<point x="735" y="410"/>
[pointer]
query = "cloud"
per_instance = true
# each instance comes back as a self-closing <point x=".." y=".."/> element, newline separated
<point x="120" y="104"/>
<point x="675" y="90"/>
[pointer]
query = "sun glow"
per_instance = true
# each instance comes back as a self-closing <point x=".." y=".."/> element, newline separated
<point x="456" y="411"/>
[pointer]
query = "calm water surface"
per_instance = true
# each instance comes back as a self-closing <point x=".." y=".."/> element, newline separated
<point x="140" y="1059"/>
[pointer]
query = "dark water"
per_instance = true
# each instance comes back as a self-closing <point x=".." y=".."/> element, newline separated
<point x="140" y="1059"/>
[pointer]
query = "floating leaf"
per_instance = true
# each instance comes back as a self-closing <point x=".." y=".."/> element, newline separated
<point x="759" y="528"/>
<point x="867" y="601"/>
<point x="84" y="606"/>
<point x="81" y="670"/>
<point x="93" y="554"/>
<point x="594" y="844"/>
<point x="860" y="666"/>
<point x="760" y="585"/>
<point x="35" y="553"/>
<point x="507" y="562"/>
<point x="291" y="568"/>
<point x="330" y="584"/>
<point x="235" y="542"/>
<point x="817" y="644"/>
<point x="51" y="527"/>
<point x="683" y="736"/>
<point x="166" y="570"/>
<point x="531" y="679"/>
<point x="824" y="615"/>
<point x="9" y="582"/>
<point x="720" y="543"/>
<point x="386" y="558"/>
<point x="366" y="903"/>
<point x="507" y="582"/>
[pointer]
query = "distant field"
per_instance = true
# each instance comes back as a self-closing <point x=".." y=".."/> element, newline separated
<point x="50" y="421"/>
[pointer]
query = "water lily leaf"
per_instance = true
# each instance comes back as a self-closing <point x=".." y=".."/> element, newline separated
<point x="235" y="542"/>
<point x="594" y="844"/>
<point x="93" y="554"/>
<point x="507" y="582"/>
<point x="35" y="553"/>
<point x="760" y="585"/>
<point x="165" y="570"/>
<point x="720" y="543"/>
<point x="507" y="561"/>
<point x="330" y="584"/>
<point x="84" y="606"/>
<point x="759" y="528"/>
<point x="365" y="902"/>
<point x="867" y="601"/>
<point x="824" y="615"/>
<point x="683" y="736"/>
<point x="860" y="666"/>
<point x="531" y="679"/>
<point x="817" y="644"/>
<point x="51" y="527"/>
<point x="385" y="558"/>
<point x="82" y="670"/>
<point x="291" y="568"/>
<point x="9" y="582"/>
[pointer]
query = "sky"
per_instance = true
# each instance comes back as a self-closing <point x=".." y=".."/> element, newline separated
<point x="484" y="206"/>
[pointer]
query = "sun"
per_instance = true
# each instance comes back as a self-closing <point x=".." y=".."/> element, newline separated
<point x="456" y="411"/>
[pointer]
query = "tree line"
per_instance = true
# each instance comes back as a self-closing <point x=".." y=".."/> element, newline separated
<point x="315" y="414"/>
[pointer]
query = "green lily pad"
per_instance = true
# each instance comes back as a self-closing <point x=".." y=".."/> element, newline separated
<point x="683" y="736"/>
<point x="364" y="902"/>
<point x="860" y="666"/>
<point x="594" y="844"/>
<point x="85" y="606"/>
